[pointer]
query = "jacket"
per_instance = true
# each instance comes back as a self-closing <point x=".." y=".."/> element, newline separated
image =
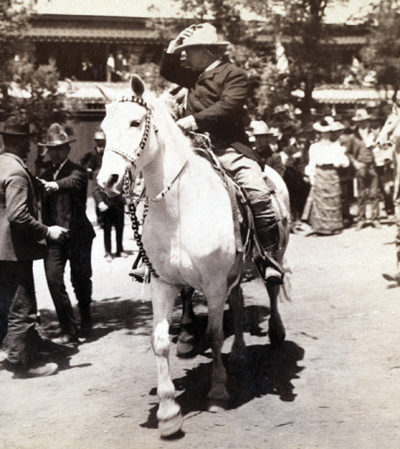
<point x="22" y="236"/>
<point x="67" y="206"/>
<point x="216" y="99"/>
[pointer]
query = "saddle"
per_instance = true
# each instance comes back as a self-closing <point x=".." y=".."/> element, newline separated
<point x="242" y="214"/>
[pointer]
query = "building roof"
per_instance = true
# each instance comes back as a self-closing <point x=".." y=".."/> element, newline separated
<point x="91" y="29"/>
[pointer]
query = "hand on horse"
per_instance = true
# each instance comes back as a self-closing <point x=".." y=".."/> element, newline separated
<point x="187" y="123"/>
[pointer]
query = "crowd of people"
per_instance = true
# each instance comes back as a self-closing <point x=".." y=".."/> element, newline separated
<point x="319" y="164"/>
<point x="332" y="170"/>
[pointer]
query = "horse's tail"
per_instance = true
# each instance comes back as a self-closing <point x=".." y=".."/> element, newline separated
<point x="285" y="292"/>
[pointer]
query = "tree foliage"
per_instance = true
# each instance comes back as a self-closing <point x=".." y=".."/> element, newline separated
<point x="382" y="53"/>
<point x="25" y="88"/>
<point x="33" y="92"/>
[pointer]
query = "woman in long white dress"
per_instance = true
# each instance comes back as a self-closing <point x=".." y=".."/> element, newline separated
<point x="325" y="157"/>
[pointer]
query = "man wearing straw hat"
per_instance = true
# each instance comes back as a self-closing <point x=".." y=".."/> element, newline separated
<point x="217" y="92"/>
<point x="64" y="203"/>
<point x="360" y="152"/>
<point x="22" y="240"/>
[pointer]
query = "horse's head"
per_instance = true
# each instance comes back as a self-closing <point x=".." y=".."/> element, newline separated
<point x="128" y="129"/>
<point x="391" y="128"/>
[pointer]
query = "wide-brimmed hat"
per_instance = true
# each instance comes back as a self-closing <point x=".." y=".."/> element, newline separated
<point x="361" y="115"/>
<point x="324" y="125"/>
<point x="56" y="136"/>
<point x="16" y="126"/>
<point x="203" y="34"/>
<point x="337" y="126"/>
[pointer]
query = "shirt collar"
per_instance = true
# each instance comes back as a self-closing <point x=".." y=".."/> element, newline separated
<point x="57" y="172"/>
<point x="213" y="65"/>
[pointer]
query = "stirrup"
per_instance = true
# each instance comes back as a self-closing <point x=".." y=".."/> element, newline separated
<point x="138" y="273"/>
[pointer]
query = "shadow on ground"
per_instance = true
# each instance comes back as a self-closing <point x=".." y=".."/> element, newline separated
<point x="266" y="370"/>
<point x="109" y="315"/>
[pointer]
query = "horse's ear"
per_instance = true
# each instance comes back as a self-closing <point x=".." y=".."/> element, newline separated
<point x="137" y="85"/>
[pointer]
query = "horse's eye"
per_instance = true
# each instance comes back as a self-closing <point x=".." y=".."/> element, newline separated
<point x="134" y="123"/>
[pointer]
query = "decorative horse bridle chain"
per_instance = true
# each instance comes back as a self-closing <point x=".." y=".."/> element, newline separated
<point x="126" y="184"/>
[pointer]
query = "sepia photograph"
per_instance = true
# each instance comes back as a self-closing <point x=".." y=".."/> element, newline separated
<point x="200" y="224"/>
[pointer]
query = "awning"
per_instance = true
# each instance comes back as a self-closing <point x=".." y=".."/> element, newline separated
<point x="89" y="90"/>
<point x="347" y="95"/>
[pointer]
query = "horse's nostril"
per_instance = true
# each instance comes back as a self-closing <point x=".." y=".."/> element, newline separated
<point x="112" y="180"/>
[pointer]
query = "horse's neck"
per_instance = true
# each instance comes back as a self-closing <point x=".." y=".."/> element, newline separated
<point x="158" y="173"/>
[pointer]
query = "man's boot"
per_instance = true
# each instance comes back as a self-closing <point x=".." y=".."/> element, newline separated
<point x="268" y="235"/>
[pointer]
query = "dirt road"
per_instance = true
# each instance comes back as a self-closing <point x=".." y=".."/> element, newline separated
<point x="334" y="383"/>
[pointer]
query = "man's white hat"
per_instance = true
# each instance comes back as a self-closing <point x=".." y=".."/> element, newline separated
<point x="361" y="115"/>
<point x="203" y="34"/>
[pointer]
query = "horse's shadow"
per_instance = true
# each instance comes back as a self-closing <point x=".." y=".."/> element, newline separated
<point x="265" y="370"/>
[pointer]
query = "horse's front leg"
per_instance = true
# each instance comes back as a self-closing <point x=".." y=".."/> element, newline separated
<point x="218" y="394"/>
<point x="169" y="412"/>
<point x="185" y="343"/>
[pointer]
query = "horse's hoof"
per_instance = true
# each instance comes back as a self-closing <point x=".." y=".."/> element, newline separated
<point x="170" y="426"/>
<point x="276" y="333"/>
<point x="184" y="350"/>
<point x="185" y="344"/>
<point x="215" y="406"/>
<point x="218" y="398"/>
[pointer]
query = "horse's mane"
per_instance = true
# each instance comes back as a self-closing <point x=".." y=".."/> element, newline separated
<point x="167" y="127"/>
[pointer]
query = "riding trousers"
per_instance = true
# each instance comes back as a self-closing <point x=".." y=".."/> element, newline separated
<point x="248" y="174"/>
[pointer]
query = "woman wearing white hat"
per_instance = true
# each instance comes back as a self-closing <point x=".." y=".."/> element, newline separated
<point x="325" y="157"/>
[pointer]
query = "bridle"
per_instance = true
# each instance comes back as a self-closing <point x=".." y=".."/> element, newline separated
<point x="147" y="126"/>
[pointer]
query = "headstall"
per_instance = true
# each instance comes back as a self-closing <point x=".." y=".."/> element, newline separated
<point x="142" y="144"/>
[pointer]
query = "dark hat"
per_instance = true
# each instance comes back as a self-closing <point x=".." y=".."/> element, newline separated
<point x="16" y="126"/>
<point x="56" y="136"/>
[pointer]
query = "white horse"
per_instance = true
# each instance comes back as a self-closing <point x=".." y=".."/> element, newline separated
<point x="188" y="234"/>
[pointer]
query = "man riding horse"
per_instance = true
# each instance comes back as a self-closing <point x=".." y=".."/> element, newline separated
<point x="217" y="92"/>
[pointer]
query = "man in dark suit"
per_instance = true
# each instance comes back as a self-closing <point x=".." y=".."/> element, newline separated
<point x="22" y="240"/>
<point x="109" y="211"/>
<point x="217" y="92"/>
<point x="64" y="204"/>
<point x="359" y="149"/>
